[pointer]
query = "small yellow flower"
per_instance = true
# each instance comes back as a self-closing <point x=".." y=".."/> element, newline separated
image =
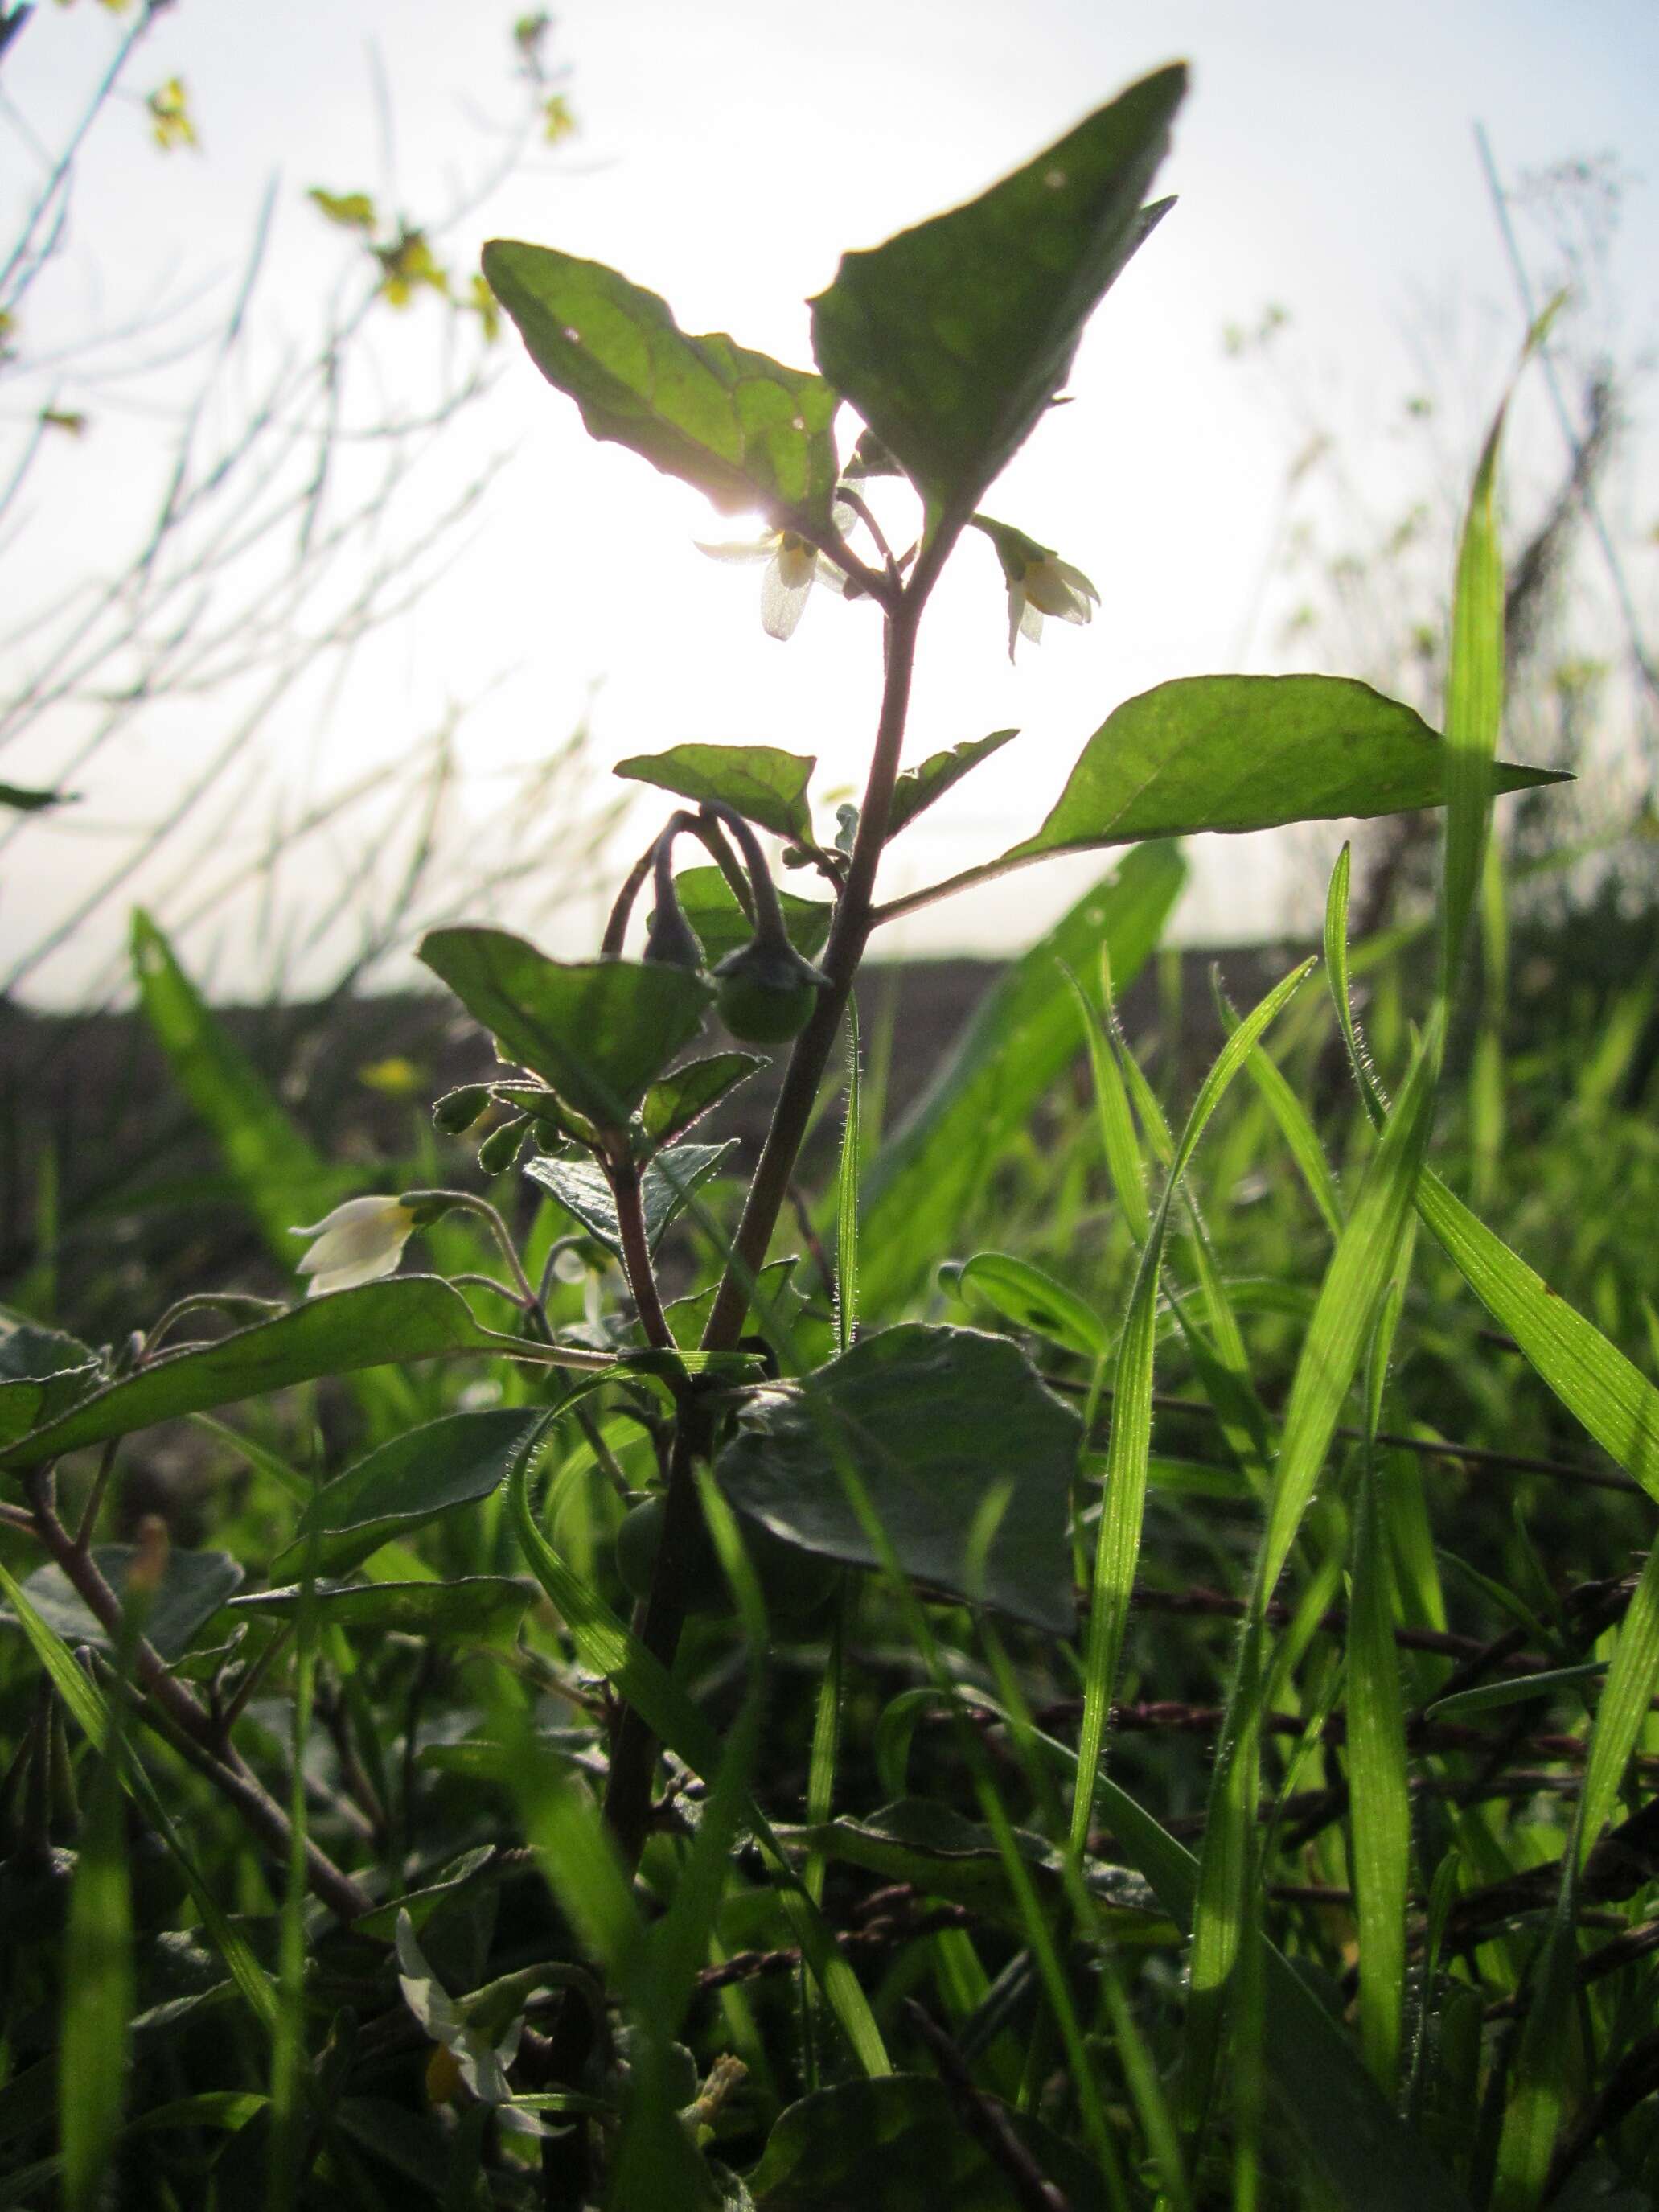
<point x="792" y="569"/>
<point x="359" y="1241"/>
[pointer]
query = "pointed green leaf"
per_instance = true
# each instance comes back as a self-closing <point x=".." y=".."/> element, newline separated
<point x="935" y="1421"/>
<point x="743" y="428"/>
<point x="281" y="1176"/>
<point x="951" y="338"/>
<point x="377" y="1324"/>
<point x="665" y="1185"/>
<point x="1249" y="752"/>
<point x="685" y="1094"/>
<point x="598" y="1031"/>
<point x="436" y="1469"/>
<point x="758" y="781"/>
<point x="919" y="786"/>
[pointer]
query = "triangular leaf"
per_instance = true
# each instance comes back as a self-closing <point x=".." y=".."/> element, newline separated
<point x="760" y="782"/>
<point x="685" y="1094"/>
<point x="581" y="1190"/>
<point x="951" y="338"/>
<point x="934" y="1421"/>
<point x="597" y="1031"/>
<point x="918" y="787"/>
<point x="432" y="1470"/>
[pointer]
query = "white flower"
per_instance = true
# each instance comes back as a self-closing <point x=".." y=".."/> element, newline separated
<point x="465" y="2052"/>
<point x="1047" y="586"/>
<point x="359" y="1241"/>
<point x="1039" y="583"/>
<point x="792" y="569"/>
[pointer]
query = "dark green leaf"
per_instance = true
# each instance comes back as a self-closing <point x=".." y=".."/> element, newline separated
<point x="760" y="782"/>
<point x="437" y="1469"/>
<point x="685" y="1094"/>
<point x="27" y="801"/>
<point x="193" y="1587"/>
<point x="898" y="2145"/>
<point x="377" y="1324"/>
<point x="1249" y="752"/>
<point x="923" y="1181"/>
<point x="918" y="787"/>
<point x="936" y="1422"/>
<point x="722" y="926"/>
<point x="951" y="338"/>
<point x="740" y="427"/>
<point x="484" y="1606"/>
<point x="599" y="1031"/>
<point x="581" y="1190"/>
<point x="42" y="1373"/>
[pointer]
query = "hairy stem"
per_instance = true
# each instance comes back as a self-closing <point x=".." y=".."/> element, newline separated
<point x="623" y="1178"/>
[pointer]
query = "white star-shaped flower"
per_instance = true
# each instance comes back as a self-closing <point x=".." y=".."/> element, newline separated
<point x="792" y="567"/>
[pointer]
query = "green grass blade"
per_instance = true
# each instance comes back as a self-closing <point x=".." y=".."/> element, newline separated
<point x="1295" y="1125"/>
<point x="1117" y="1129"/>
<point x="1118" y="1547"/>
<point x="1381" y="1807"/>
<point x="1633" y="1682"/>
<point x="100" y="1980"/>
<point x="1475" y="705"/>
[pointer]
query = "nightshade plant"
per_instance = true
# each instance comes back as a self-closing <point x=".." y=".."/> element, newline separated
<point x="772" y="1464"/>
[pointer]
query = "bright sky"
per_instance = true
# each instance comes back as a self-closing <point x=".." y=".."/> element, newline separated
<point x="728" y="153"/>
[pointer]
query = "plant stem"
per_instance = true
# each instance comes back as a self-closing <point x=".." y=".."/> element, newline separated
<point x="848" y="936"/>
<point x="623" y="1178"/>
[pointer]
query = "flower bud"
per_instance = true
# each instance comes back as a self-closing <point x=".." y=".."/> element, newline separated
<point x="501" y="1147"/>
<point x="457" y="1110"/>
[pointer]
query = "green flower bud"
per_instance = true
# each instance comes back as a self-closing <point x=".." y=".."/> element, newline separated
<point x="457" y="1110"/>
<point x="501" y="1147"/>
<point x="670" y="941"/>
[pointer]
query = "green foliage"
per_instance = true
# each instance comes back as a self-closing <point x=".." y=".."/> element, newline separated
<point x="597" y="1032"/>
<point x="946" y="1430"/>
<point x="741" y="427"/>
<point x="758" y="781"/>
<point x="918" y="787"/>
<point x="1249" y="752"/>
<point x="424" y="1819"/>
<point x="952" y="339"/>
